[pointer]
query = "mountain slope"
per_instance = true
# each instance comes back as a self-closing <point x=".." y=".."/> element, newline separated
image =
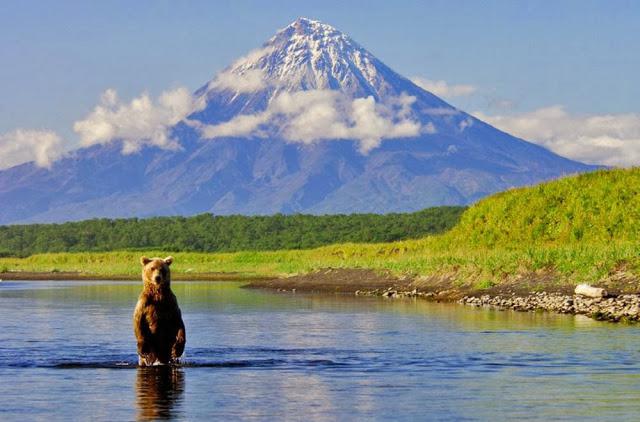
<point x="310" y="122"/>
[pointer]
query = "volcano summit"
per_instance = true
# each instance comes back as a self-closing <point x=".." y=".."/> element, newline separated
<point x="310" y="122"/>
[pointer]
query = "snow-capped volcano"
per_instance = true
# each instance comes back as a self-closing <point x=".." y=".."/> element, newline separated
<point x="308" y="122"/>
<point x="311" y="82"/>
<point x="308" y="55"/>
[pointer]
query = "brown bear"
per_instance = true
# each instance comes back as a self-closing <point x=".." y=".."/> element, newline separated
<point x="157" y="320"/>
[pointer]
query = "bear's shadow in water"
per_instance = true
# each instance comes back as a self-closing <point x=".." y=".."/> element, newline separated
<point x="159" y="391"/>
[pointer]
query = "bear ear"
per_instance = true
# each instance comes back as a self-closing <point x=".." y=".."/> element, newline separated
<point x="168" y="260"/>
<point x="144" y="260"/>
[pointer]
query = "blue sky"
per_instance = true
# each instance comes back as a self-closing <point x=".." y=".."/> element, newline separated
<point x="519" y="56"/>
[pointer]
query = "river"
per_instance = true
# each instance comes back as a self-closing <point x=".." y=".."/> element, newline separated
<point x="67" y="352"/>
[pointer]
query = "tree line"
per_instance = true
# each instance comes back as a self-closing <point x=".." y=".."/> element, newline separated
<point x="211" y="233"/>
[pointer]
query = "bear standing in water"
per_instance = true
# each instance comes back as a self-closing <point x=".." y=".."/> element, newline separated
<point x="157" y="320"/>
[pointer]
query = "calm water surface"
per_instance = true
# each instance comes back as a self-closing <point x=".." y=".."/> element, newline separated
<point x="67" y="352"/>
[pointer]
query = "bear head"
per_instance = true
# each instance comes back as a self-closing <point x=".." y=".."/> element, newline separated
<point x="155" y="271"/>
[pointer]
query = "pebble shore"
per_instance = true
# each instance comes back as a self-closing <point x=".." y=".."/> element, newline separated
<point x="622" y="308"/>
<point x="614" y="309"/>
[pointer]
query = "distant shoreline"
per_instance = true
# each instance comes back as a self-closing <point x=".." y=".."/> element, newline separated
<point x="548" y="296"/>
<point x="77" y="276"/>
<point x="552" y="298"/>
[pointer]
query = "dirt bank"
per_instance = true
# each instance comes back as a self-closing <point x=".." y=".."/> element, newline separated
<point x="539" y="291"/>
<point x="369" y="282"/>
<point x="334" y="281"/>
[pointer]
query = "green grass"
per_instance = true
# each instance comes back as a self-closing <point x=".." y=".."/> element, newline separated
<point x="484" y="266"/>
<point x="597" y="207"/>
<point x="581" y="229"/>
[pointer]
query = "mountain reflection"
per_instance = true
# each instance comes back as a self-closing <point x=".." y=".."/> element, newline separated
<point x="159" y="390"/>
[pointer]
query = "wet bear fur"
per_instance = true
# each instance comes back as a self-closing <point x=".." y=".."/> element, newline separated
<point x="157" y="320"/>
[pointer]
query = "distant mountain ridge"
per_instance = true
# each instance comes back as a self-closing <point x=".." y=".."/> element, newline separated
<point x="310" y="122"/>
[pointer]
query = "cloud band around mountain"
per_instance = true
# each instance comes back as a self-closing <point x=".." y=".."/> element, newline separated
<point x="139" y="122"/>
<point x="312" y="116"/>
<point x="442" y="88"/>
<point x="250" y="80"/>
<point x="316" y="115"/>
<point x="22" y="145"/>
<point x="609" y="139"/>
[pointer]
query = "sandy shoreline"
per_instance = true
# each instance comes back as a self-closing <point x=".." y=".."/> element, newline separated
<point x="533" y="293"/>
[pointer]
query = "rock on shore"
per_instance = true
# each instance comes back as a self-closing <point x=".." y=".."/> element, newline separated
<point x="614" y="309"/>
<point x="362" y="282"/>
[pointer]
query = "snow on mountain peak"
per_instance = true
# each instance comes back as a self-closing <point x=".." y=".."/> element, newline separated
<point x="311" y="35"/>
<point x="306" y="54"/>
<point x="306" y="26"/>
<point x="311" y="82"/>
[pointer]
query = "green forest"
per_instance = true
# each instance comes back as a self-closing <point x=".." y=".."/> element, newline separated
<point x="209" y="233"/>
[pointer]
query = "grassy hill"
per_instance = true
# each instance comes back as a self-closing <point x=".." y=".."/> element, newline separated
<point x="602" y="206"/>
<point x="578" y="229"/>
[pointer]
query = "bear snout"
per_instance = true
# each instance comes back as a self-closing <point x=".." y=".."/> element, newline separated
<point x="158" y="279"/>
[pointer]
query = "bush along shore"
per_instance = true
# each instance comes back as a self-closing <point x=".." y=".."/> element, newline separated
<point x="232" y="233"/>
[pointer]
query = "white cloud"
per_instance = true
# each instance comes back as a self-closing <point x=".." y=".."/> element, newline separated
<point x="243" y="75"/>
<point x="22" y="145"/>
<point x="310" y="116"/>
<point x="250" y="80"/>
<point x="252" y="56"/>
<point x="242" y="125"/>
<point x="610" y="139"/>
<point x="139" y="122"/>
<point x="465" y="123"/>
<point x="443" y="89"/>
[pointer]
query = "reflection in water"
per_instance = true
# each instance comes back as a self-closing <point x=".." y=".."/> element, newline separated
<point x="159" y="390"/>
<point x="257" y="355"/>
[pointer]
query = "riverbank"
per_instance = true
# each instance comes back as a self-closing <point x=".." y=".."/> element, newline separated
<point x="617" y="307"/>
<point x="539" y="291"/>
<point x="527" y="268"/>
<point x="74" y="275"/>
<point x="621" y="308"/>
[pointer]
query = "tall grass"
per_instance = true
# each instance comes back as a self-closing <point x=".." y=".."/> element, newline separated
<point x="571" y="263"/>
<point x="597" y="207"/>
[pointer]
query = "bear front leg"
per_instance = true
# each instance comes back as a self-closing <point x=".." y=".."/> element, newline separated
<point x="181" y="339"/>
<point x="143" y="336"/>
